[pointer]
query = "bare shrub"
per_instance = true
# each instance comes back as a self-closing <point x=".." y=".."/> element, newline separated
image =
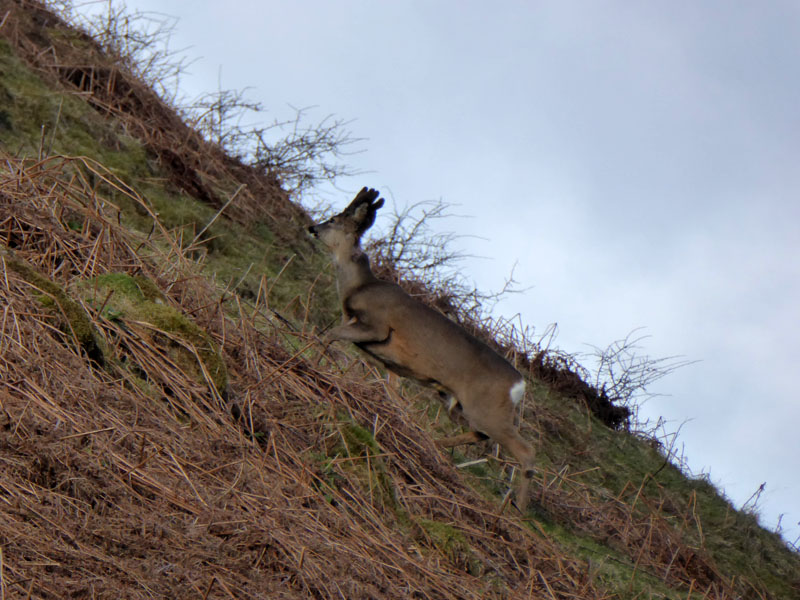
<point x="414" y="252"/>
<point x="299" y="153"/>
<point x="625" y="374"/>
<point x="139" y="41"/>
<point x="218" y="116"/>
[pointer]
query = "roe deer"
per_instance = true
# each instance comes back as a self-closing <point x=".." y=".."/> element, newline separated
<point x="413" y="340"/>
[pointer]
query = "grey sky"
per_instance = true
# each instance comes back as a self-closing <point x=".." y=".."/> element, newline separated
<point x="638" y="160"/>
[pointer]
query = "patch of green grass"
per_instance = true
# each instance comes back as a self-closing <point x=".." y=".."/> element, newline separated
<point x="75" y="322"/>
<point x="35" y="116"/>
<point x="358" y="443"/>
<point x="446" y="538"/>
<point x="124" y="298"/>
<point x="353" y="456"/>
<point x="245" y="259"/>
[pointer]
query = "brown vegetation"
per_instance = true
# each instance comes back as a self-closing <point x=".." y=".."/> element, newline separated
<point x="131" y="478"/>
<point x="194" y="166"/>
<point x="134" y="464"/>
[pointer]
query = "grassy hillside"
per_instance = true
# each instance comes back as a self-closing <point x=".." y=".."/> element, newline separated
<point x="172" y="427"/>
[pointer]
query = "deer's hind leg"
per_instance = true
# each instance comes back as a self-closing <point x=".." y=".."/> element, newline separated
<point x="500" y="427"/>
<point x="456" y="414"/>
<point x="524" y="453"/>
<point x="512" y="443"/>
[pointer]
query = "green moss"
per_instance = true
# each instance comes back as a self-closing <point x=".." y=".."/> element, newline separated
<point x="359" y="440"/>
<point x="452" y="543"/>
<point x="124" y="298"/>
<point x="75" y="320"/>
<point x="359" y="446"/>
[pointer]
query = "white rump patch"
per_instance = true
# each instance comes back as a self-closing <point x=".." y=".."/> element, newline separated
<point x="517" y="391"/>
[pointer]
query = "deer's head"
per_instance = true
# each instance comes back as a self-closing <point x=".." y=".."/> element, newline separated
<point x="346" y="228"/>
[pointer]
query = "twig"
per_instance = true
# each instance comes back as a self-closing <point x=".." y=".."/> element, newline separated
<point x="217" y="215"/>
<point x="77" y="435"/>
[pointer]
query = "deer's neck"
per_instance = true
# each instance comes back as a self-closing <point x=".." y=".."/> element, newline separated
<point x="352" y="270"/>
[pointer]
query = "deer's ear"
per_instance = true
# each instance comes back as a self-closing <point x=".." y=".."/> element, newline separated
<point x="369" y="218"/>
<point x="360" y="213"/>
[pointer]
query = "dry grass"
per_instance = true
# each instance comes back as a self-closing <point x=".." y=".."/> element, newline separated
<point x="199" y="168"/>
<point x="306" y="481"/>
<point x="125" y="474"/>
<point x="133" y="479"/>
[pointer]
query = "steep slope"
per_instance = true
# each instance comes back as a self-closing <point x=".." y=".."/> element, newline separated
<point x="171" y="427"/>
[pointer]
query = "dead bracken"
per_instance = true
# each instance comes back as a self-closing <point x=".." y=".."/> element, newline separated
<point x="171" y="426"/>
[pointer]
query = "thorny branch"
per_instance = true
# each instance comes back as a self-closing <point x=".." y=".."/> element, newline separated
<point x="625" y="374"/>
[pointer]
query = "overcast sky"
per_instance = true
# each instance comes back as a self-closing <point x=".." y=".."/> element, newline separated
<point x="639" y="162"/>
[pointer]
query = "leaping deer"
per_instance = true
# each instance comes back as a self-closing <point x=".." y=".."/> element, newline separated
<point x="413" y="340"/>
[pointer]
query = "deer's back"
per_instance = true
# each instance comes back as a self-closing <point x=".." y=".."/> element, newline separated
<point x="424" y="344"/>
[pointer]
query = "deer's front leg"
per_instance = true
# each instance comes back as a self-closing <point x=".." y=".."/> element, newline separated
<point x="357" y="331"/>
